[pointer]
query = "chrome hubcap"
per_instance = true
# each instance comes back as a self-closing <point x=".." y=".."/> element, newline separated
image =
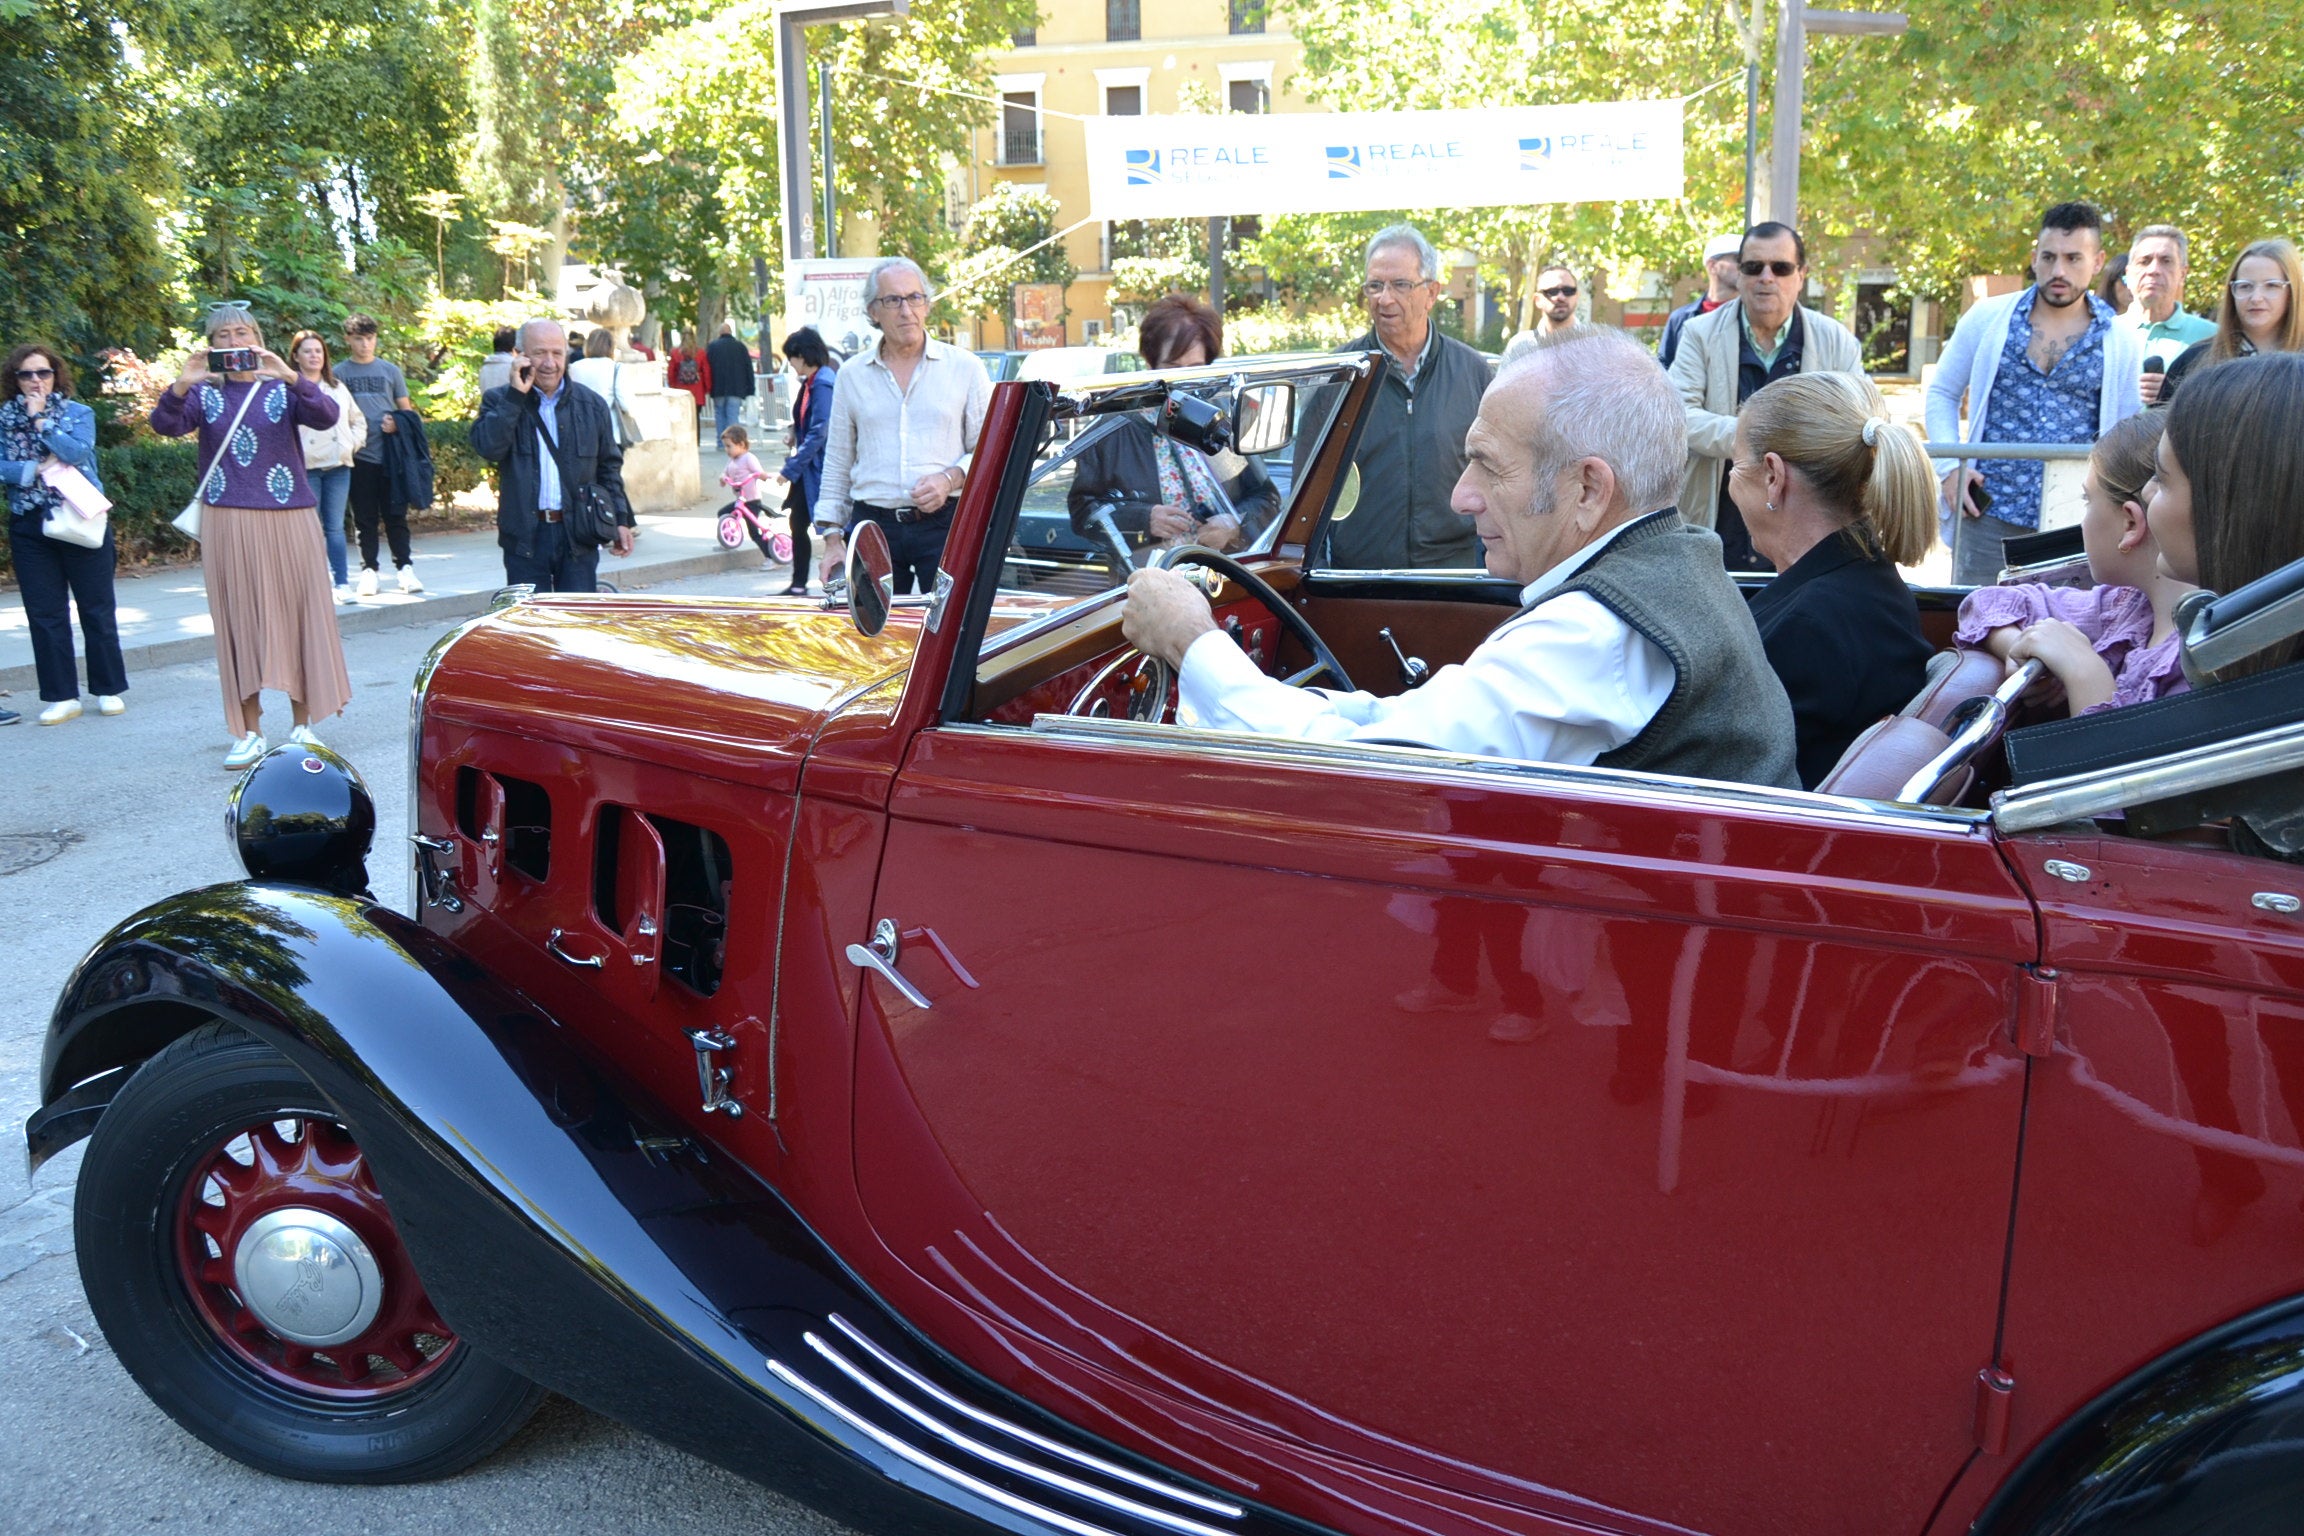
<point x="307" y="1277"/>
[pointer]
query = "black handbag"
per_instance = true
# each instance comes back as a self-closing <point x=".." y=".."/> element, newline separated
<point x="588" y="510"/>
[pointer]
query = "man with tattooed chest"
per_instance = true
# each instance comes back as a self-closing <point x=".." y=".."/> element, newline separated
<point x="2047" y="365"/>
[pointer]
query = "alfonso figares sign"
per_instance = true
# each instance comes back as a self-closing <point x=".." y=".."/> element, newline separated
<point x="1321" y="162"/>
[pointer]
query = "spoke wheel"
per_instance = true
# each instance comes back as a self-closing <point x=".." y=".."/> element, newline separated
<point x="246" y="1270"/>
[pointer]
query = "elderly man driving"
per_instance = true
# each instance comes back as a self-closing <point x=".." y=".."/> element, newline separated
<point x="1632" y="647"/>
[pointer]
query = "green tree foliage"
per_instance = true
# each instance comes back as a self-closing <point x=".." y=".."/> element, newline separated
<point x="1011" y="239"/>
<point x="82" y="159"/>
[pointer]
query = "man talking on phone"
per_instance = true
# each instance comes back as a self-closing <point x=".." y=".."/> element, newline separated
<point x="553" y="444"/>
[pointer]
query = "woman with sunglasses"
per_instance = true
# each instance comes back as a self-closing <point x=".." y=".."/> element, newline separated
<point x="2261" y="312"/>
<point x="42" y="425"/>
<point x="261" y="551"/>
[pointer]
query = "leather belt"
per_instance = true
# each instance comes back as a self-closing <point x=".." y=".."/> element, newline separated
<point x="552" y="515"/>
<point x="906" y="514"/>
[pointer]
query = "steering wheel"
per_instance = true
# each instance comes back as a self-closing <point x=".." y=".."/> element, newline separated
<point x="1323" y="659"/>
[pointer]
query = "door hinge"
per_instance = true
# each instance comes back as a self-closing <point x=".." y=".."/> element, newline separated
<point x="1995" y="1402"/>
<point x="2038" y="1001"/>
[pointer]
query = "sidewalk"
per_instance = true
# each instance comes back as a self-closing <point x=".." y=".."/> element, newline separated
<point x="164" y="616"/>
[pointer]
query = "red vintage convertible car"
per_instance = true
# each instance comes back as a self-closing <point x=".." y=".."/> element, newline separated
<point x="909" y="1071"/>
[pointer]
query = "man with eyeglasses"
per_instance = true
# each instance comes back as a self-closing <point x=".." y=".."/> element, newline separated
<point x="904" y="421"/>
<point x="1726" y="357"/>
<point x="2048" y="365"/>
<point x="1412" y="446"/>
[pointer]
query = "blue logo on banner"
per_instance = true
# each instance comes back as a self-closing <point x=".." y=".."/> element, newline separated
<point x="1535" y="154"/>
<point x="1143" y="167"/>
<point x="1343" y="162"/>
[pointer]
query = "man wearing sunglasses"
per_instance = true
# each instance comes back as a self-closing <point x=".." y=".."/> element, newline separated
<point x="1559" y="288"/>
<point x="2048" y="365"/>
<point x="1762" y="335"/>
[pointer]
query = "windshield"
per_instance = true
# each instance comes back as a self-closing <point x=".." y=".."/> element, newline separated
<point x="1109" y="490"/>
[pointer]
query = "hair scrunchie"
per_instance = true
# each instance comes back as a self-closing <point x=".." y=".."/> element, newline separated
<point x="1872" y="426"/>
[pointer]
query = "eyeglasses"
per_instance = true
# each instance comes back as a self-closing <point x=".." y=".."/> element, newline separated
<point x="2270" y="288"/>
<point x="1398" y="287"/>
<point x="1568" y="292"/>
<point x="1755" y="268"/>
<point x="902" y="300"/>
<point x="31" y="375"/>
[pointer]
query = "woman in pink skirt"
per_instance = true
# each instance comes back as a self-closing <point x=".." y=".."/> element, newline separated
<point x="261" y="550"/>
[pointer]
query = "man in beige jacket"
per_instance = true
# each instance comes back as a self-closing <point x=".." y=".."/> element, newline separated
<point x="1762" y="335"/>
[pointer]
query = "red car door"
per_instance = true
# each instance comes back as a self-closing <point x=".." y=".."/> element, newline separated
<point x="1686" y="1205"/>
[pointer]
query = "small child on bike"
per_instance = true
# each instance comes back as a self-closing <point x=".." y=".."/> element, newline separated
<point x="748" y="480"/>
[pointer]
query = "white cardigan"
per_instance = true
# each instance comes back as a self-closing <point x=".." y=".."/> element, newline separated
<point x="1706" y="371"/>
<point x="333" y="447"/>
<point x="1971" y="361"/>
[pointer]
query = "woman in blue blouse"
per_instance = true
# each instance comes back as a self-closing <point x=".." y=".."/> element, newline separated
<point x="41" y="423"/>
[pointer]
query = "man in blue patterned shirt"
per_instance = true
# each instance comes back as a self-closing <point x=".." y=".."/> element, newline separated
<point x="2047" y="365"/>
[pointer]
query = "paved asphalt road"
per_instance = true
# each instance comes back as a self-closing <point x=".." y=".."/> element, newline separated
<point x="106" y="816"/>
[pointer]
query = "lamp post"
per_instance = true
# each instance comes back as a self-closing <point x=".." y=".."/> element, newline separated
<point x="793" y="19"/>
<point x="1793" y="26"/>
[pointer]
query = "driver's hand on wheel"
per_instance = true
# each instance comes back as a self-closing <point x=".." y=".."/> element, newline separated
<point x="1165" y="614"/>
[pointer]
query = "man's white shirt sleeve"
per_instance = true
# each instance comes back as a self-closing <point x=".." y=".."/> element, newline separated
<point x="1562" y="683"/>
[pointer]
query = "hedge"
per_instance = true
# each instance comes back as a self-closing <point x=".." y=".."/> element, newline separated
<point x="150" y="479"/>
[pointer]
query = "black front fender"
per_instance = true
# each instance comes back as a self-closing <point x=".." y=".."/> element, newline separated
<point x="573" y="1230"/>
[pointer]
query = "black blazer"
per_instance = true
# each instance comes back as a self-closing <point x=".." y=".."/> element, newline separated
<point x="507" y="434"/>
<point x="1842" y="632"/>
<point x="1120" y="466"/>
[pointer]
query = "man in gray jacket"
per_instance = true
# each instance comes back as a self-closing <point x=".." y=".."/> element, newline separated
<point x="1762" y="335"/>
<point x="1412" y="448"/>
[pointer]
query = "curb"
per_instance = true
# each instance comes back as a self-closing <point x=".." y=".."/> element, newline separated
<point x="442" y="608"/>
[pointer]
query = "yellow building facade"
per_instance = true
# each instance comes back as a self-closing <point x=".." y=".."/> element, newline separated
<point x="1091" y="58"/>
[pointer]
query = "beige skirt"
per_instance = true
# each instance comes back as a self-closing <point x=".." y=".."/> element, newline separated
<point x="275" y="614"/>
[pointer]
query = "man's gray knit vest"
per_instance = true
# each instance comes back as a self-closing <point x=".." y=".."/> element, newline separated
<point x="1727" y="717"/>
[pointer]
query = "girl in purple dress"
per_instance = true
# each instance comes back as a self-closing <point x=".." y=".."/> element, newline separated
<point x="2114" y="643"/>
<point x="261" y="551"/>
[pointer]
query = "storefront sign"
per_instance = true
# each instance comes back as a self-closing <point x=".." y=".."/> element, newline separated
<point x="1184" y="167"/>
<point x="1038" y="309"/>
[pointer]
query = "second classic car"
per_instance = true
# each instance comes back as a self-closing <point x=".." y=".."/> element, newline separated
<point x="893" y="1060"/>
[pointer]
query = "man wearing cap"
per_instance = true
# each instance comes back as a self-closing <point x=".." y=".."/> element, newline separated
<point x="1720" y="286"/>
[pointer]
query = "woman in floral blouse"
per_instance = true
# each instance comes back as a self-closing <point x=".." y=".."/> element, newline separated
<point x="261" y="550"/>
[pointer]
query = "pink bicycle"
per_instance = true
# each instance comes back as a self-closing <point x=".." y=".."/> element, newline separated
<point x="741" y="518"/>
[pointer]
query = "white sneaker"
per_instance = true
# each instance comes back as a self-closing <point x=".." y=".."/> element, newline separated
<point x="302" y="737"/>
<point x="408" y="581"/>
<point x="57" y="714"/>
<point x="245" y="751"/>
<point x="111" y="704"/>
<point x="366" y="585"/>
<point x="343" y="591"/>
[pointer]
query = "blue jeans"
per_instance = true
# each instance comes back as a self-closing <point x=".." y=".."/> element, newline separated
<point x="725" y="410"/>
<point x="553" y="563"/>
<point x="334" y="488"/>
<point x="1976" y="553"/>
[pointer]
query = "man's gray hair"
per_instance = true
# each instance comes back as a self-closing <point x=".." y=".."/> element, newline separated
<point x="890" y="264"/>
<point x="532" y="322"/>
<point x="1605" y="399"/>
<point x="1427" y="259"/>
<point x="2165" y="232"/>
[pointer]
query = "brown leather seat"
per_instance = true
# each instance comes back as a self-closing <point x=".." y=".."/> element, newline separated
<point x="1879" y="763"/>
<point x="1954" y="677"/>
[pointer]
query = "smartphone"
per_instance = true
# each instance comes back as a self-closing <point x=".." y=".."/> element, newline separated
<point x="1979" y="497"/>
<point x="232" y="360"/>
<point x="522" y="369"/>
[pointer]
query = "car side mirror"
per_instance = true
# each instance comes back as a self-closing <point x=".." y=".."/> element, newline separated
<point x="1264" y="419"/>
<point x="871" y="578"/>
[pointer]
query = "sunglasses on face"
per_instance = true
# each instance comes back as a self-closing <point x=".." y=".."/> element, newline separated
<point x="1568" y="292"/>
<point x="1755" y="268"/>
<point x="34" y="375"/>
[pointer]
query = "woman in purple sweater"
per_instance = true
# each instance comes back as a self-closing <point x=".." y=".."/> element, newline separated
<point x="261" y="550"/>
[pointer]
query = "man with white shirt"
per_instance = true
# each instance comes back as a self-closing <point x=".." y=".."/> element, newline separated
<point x="904" y="420"/>
<point x="1632" y="648"/>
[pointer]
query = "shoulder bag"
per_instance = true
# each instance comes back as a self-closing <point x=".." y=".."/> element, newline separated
<point x="586" y="509"/>
<point x="187" y="522"/>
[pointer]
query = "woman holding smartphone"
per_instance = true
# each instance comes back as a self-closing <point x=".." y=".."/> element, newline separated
<point x="261" y="551"/>
<point x="328" y="453"/>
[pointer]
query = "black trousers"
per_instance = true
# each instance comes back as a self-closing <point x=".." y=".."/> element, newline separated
<point x="54" y="577"/>
<point x="375" y="503"/>
<point x="917" y="548"/>
<point x="796" y="510"/>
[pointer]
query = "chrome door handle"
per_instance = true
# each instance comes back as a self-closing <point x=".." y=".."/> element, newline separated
<point x="552" y="944"/>
<point x="712" y="1080"/>
<point x="880" y="957"/>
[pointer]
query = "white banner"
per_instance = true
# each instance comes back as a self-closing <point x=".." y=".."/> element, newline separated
<point x="1189" y="167"/>
<point x="829" y="295"/>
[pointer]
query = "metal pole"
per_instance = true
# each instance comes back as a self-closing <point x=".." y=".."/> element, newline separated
<point x="792" y="118"/>
<point x="831" y="233"/>
<point x="1784" y="134"/>
<point x="1217" y="229"/>
<point x="1751" y="137"/>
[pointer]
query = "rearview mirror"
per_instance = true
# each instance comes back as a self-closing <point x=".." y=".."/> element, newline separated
<point x="871" y="577"/>
<point x="1264" y="419"/>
